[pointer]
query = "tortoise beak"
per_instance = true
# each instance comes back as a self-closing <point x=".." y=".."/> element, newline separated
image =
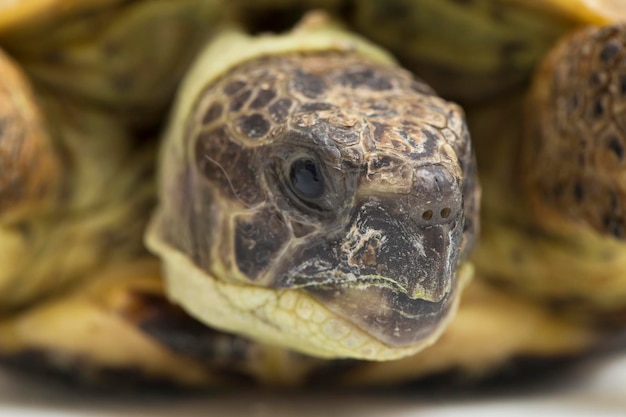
<point x="390" y="272"/>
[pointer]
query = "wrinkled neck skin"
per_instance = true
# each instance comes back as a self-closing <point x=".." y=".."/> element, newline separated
<point x="330" y="174"/>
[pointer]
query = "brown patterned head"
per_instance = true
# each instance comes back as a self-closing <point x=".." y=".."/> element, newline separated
<point x="334" y="175"/>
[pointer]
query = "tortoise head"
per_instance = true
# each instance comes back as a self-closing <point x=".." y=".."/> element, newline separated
<point x="331" y="176"/>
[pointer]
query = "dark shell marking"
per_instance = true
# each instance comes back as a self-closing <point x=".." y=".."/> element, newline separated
<point x="394" y="197"/>
<point x="575" y="162"/>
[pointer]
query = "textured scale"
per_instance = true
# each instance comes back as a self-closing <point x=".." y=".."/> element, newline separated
<point x="24" y="143"/>
<point x="249" y="108"/>
<point x="575" y="152"/>
<point x="107" y="62"/>
<point x="393" y="217"/>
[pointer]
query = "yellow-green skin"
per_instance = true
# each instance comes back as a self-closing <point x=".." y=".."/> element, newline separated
<point x="223" y="296"/>
<point x="111" y="305"/>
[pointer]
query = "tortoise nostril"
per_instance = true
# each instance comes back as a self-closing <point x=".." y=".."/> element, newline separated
<point x="444" y="213"/>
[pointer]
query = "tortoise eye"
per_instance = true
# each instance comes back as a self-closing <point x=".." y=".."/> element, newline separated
<point x="306" y="179"/>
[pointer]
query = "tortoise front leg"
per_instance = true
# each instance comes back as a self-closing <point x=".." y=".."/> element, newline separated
<point x="575" y="154"/>
<point x="566" y="239"/>
<point x="30" y="170"/>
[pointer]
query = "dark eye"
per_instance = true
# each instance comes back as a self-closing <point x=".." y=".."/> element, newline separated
<point x="306" y="179"/>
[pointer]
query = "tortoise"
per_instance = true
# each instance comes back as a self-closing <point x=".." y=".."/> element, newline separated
<point x="316" y="211"/>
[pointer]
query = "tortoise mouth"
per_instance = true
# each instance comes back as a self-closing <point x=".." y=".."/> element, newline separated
<point x="393" y="317"/>
<point x="338" y="280"/>
<point x="386" y="273"/>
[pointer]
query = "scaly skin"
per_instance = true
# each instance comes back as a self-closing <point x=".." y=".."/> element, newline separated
<point x="577" y="135"/>
<point x="24" y="143"/>
<point x="545" y="334"/>
<point x="377" y="249"/>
